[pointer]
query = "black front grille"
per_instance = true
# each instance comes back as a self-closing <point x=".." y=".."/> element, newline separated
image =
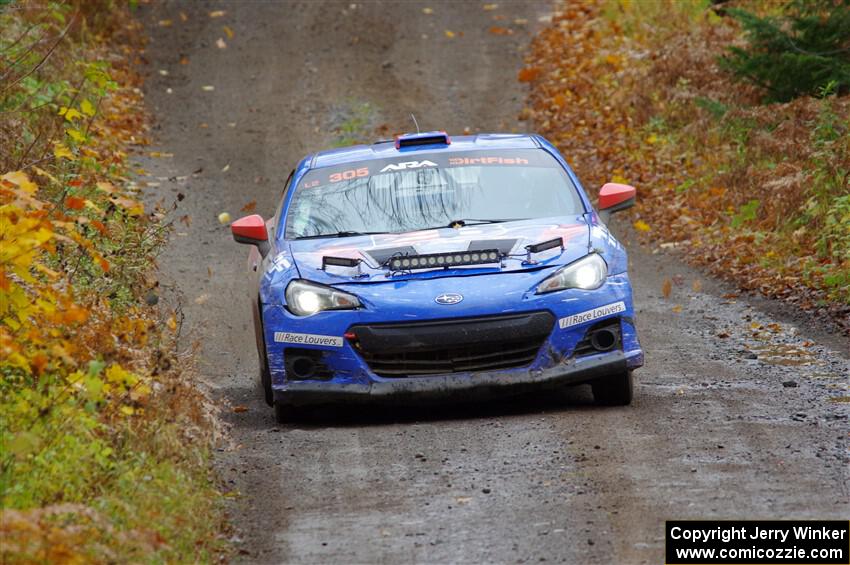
<point x="480" y="357"/>
<point x="452" y="346"/>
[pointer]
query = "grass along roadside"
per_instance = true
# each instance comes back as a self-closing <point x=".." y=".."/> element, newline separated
<point x="757" y="193"/>
<point x="104" y="439"/>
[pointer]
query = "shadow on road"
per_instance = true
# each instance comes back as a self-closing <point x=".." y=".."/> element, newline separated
<point x="359" y="415"/>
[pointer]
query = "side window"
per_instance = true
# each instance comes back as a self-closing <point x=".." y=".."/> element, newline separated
<point x="287" y="185"/>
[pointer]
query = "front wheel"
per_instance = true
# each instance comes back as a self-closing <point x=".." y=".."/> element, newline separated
<point x="265" y="372"/>
<point x="266" y="379"/>
<point x="614" y="390"/>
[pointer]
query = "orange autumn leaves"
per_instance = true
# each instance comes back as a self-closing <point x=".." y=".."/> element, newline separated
<point x="632" y="92"/>
<point x="75" y="203"/>
<point x="34" y="310"/>
<point x="529" y="74"/>
<point x="39" y="312"/>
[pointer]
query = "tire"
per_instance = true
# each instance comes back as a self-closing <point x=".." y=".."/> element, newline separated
<point x="286" y="413"/>
<point x="266" y="378"/>
<point x="265" y="372"/>
<point x="614" y="390"/>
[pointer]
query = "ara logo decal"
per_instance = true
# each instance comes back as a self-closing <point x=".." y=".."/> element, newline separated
<point x="408" y="165"/>
<point x="448" y="298"/>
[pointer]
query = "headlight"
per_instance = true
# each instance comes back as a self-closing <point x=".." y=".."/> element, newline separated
<point x="587" y="273"/>
<point x="304" y="298"/>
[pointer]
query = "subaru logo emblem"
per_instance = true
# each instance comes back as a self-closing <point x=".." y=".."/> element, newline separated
<point x="448" y="298"/>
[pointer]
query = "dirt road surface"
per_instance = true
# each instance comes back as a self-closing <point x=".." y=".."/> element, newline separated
<point x="713" y="432"/>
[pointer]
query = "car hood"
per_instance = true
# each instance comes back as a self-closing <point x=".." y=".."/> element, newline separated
<point x="510" y="238"/>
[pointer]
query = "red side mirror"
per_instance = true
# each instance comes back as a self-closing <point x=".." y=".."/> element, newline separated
<point x="615" y="196"/>
<point x="250" y="229"/>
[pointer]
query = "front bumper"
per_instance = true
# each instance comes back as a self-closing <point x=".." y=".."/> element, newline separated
<point x="348" y="375"/>
<point x="461" y="386"/>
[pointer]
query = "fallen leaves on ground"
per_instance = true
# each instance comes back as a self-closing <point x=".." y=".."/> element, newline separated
<point x="756" y="194"/>
<point x="641" y="226"/>
<point x="529" y="74"/>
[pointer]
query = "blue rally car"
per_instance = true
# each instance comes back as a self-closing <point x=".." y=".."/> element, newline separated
<point x="430" y="267"/>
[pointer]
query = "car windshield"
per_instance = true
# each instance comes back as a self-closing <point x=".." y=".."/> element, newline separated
<point x="419" y="190"/>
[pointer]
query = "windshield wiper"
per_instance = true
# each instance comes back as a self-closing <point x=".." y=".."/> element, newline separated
<point x="469" y="221"/>
<point x="453" y="224"/>
<point x="341" y="234"/>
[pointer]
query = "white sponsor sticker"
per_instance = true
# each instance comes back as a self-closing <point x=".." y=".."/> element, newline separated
<point x="408" y="165"/>
<point x="308" y="339"/>
<point x="281" y="263"/>
<point x="591" y="315"/>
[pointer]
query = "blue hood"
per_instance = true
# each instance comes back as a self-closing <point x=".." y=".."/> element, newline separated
<point x="509" y="237"/>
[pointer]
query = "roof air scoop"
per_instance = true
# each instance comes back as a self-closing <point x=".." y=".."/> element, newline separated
<point x="428" y="138"/>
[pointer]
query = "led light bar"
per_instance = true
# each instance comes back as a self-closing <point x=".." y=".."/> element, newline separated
<point x="445" y="260"/>
<point x="339" y="262"/>
<point x="544" y="245"/>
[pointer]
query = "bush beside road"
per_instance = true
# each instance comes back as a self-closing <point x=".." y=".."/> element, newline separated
<point x="104" y="436"/>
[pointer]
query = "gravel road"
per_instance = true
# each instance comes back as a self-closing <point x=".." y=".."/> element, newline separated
<point x="737" y="411"/>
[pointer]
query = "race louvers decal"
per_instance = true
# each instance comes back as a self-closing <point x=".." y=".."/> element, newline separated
<point x="308" y="339"/>
<point x="591" y="315"/>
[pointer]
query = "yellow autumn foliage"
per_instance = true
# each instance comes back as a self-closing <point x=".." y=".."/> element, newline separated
<point x="91" y="400"/>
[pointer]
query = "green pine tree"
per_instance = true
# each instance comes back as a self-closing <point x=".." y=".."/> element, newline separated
<point x="806" y="51"/>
